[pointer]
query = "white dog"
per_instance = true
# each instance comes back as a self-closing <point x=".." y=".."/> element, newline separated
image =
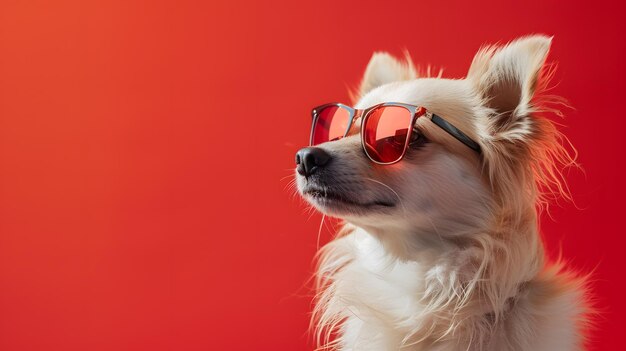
<point x="441" y="248"/>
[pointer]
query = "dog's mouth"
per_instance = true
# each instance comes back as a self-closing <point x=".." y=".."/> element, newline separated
<point x="337" y="201"/>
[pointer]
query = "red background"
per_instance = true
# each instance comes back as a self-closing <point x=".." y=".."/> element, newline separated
<point x="144" y="149"/>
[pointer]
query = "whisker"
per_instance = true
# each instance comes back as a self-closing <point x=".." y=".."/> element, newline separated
<point x="287" y="176"/>
<point x="319" y="232"/>
<point x="435" y="228"/>
<point x="390" y="189"/>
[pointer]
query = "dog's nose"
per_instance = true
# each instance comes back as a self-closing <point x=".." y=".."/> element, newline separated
<point x="310" y="159"/>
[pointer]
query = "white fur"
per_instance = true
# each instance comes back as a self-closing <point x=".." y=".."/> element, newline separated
<point x="458" y="264"/>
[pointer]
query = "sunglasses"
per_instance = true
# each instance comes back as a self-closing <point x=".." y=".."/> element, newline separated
<point x="386" y="128"/>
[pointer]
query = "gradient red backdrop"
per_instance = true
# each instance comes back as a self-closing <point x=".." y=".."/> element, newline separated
<point x="144" y="148"/>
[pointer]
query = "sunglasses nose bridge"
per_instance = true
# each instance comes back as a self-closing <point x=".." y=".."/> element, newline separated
<point x="353" y="121"/>
<point x="361" y="113"/>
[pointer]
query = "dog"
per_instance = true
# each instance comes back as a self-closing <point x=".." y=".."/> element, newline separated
<point x="440" y="247"/>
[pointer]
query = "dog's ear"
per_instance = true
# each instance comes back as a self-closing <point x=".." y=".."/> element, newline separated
<point x="520" y="145"/>
<point x="384" y="68"/>
<point x="506" y="79"/>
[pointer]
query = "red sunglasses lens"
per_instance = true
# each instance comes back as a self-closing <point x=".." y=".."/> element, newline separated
<point x="331" y="124"/>
<point x="386" y="133"/>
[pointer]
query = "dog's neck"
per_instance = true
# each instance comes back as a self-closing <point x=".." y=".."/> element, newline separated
<point x="508" y="245"/>
<point x="466" y="282"/>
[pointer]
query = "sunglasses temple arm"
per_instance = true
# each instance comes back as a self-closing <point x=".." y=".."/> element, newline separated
<point x="455" y="132"/>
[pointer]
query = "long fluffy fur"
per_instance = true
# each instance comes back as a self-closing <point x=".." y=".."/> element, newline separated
<point x="509" y="290"/>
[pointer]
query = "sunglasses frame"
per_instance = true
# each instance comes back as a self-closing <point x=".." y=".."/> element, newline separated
<point x="416" y="112"/>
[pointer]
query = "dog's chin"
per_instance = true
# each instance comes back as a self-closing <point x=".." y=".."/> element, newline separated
<point x="339" y="205"/>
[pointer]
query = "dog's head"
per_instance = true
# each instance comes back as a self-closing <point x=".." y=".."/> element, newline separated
<point x="441" y="185"/>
